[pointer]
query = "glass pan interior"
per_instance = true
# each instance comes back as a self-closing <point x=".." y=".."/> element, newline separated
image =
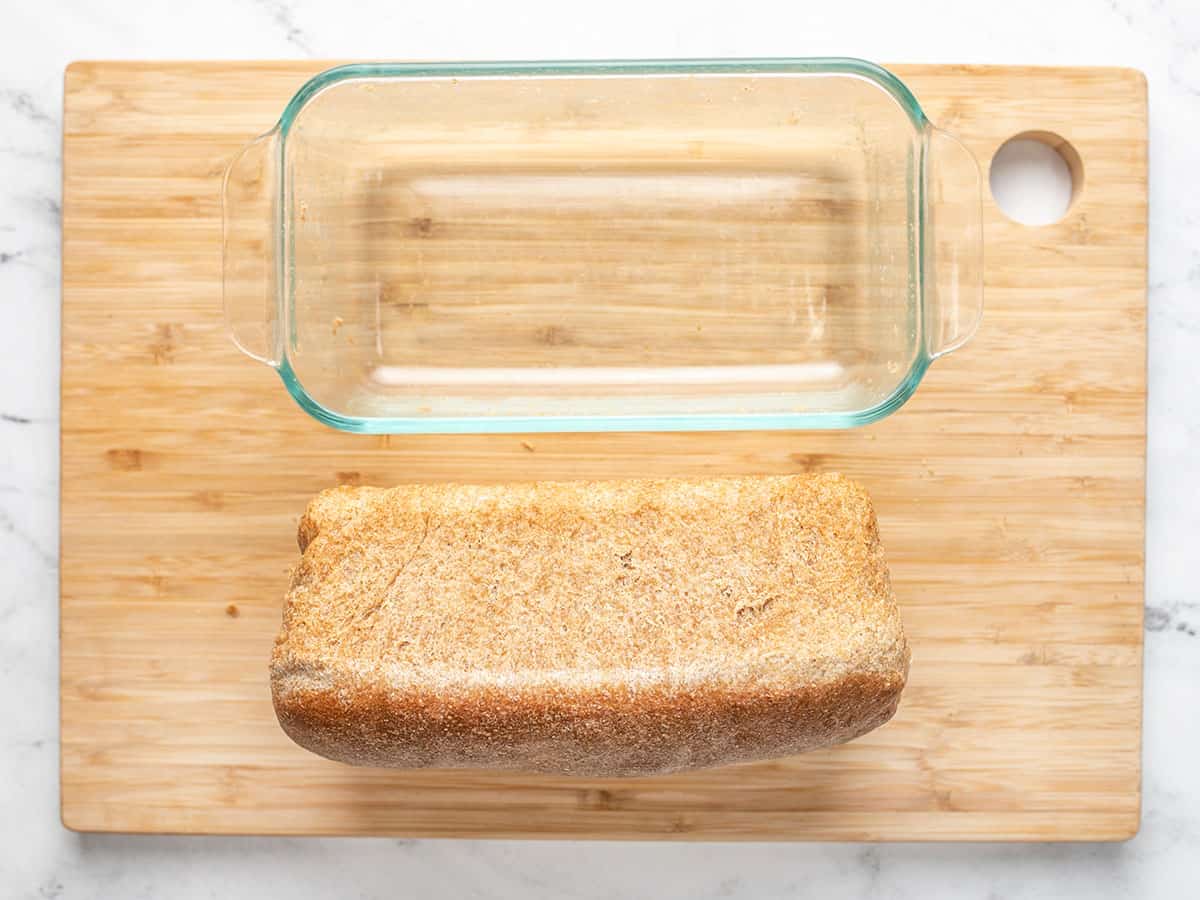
<point x="716" y="244"/>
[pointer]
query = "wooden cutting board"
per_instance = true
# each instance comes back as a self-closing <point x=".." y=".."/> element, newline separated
<point x="1010" y="495"/>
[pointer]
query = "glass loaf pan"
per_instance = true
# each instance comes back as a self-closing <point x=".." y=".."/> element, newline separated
<point x="677" y="245"/>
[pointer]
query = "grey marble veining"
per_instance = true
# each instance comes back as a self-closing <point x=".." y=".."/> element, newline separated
<point x="39" y="859"/>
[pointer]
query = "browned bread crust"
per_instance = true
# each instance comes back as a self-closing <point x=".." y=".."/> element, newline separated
<point x="588" y="628"/>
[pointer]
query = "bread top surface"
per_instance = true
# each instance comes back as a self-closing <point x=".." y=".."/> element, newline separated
<point x="774" y="580"/>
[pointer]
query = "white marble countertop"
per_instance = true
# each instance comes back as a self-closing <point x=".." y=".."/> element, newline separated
<point x="38" y="858"/>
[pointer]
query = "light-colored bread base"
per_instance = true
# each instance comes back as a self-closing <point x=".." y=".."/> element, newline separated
<point x="588" y="628"/>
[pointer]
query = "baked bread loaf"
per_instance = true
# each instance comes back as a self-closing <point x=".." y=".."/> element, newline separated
<point x="588" y="628"/>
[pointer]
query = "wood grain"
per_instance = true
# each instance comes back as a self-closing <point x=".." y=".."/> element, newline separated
<point x="1009" y="489"/>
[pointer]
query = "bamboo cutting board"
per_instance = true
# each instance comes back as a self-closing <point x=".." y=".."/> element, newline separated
<point x="1009" y="490"/>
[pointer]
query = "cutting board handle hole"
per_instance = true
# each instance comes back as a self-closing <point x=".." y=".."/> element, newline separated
<point x="1036" y="177"/>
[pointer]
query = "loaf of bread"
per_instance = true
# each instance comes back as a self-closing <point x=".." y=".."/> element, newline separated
<point x="588" y="628"/>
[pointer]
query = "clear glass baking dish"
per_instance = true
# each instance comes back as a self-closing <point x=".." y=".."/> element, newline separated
<point x="587" y="246"/>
